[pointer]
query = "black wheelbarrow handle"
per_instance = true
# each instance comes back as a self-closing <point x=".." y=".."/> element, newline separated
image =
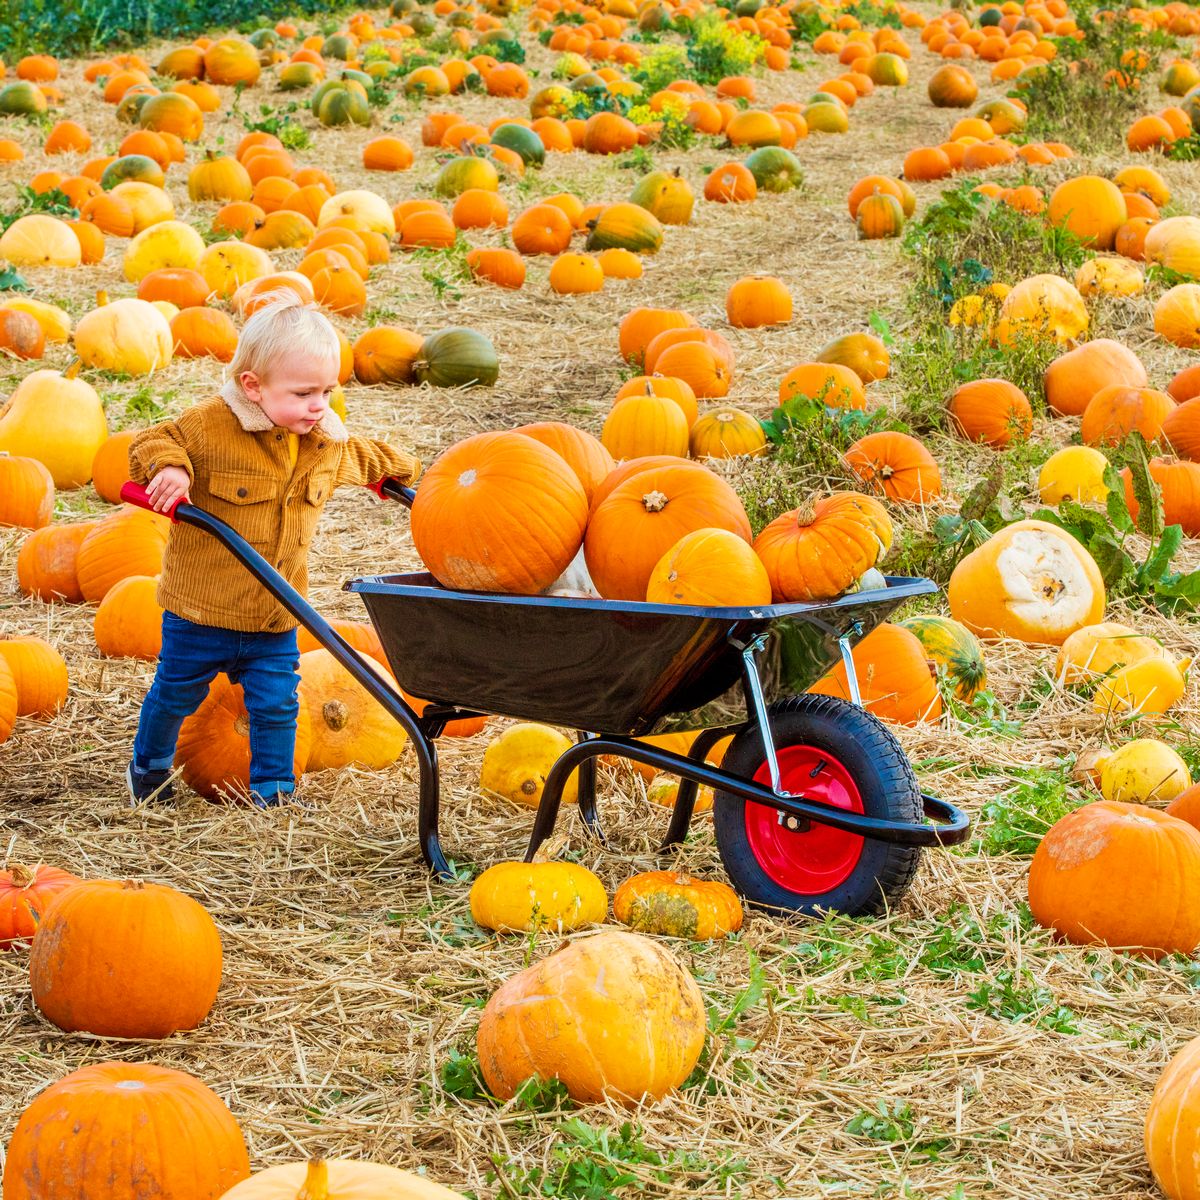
<point x="392" y="700"/>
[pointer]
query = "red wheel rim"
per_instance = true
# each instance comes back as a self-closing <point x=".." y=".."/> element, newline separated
<point x="813" y="861"/>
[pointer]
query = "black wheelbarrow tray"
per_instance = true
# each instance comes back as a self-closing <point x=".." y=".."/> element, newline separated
<point x="816" y="806"/>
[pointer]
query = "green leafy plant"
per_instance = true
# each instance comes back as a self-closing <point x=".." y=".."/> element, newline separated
<point x="660" y="67"/>
<point x="723" y="1042"/>
<point x="1013" y="996"/>
<point x="716" y="50"/>
<point x="1108" y="533"/>
<point x="53" y="202"/>
<point x="1017" y="819"/>
<point x="896" y="1125"/>
<point x="283" y="125"/>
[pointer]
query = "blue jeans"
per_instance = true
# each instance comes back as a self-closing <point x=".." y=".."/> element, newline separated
<point x="265" y="664"/>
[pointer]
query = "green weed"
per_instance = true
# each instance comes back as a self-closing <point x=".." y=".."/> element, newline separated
<point x="1016" y="820"/>
<point x="1013" y="996"/>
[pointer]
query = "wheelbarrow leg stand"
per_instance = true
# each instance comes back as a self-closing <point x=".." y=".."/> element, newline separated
<point x="685" y="797"/>
<point x="427" y="809"/>
<point x="587" y="794"/>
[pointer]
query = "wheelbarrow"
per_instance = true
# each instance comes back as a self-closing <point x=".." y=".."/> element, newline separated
<point x="816" y="807"/>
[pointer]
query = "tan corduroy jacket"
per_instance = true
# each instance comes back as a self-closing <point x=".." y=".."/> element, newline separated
<point x="241" y="472"/>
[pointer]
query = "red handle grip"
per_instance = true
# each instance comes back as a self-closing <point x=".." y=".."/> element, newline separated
<point x="134" y="493"/>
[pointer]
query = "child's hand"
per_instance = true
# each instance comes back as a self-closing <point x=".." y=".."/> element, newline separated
<point x="168" y="486"/>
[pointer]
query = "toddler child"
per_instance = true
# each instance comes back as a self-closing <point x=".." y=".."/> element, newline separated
<point x="264" y="456"/>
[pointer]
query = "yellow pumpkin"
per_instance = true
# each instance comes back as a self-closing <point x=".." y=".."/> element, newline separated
<point x="130" y="336"/>
<point x="55" y="322"/>
<point x="149" y="204"/>
<point x="57" y="419"/>
<point x="1143" y="771"/>
<point x="365" y="206"/>
<point x="1041" y="306"/>
<point x="1032" y="581"/>
<point x="164" y="244"/>
<point x="538" y="895"/>
<point x="1073" y="473"/>
<point x="338" y="1179"/>
<point x="226" y="266"/>
<point x="516" y="763"/>
<point x="1150" y="686"/>
<point x="1095" y="651"/>
<point x="39" y="240"/>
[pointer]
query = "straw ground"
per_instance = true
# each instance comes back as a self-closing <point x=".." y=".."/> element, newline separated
<point x="948" y="1050"/>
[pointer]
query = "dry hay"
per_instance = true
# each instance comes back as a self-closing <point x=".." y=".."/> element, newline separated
<point x="352" y="978"/>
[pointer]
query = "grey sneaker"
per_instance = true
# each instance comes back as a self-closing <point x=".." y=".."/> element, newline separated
<point x="149" y="785"/>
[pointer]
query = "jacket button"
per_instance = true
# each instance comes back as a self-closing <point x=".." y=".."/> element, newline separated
<point x="242" y="493"/>
<point x="279" y="437"/>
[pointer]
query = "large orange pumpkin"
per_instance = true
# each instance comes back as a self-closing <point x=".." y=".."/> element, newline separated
<point x="1116" y="411"/>
<point x="896" y="679"/>
<point x="129" y="542"/>
<point x="214" y="742"/>
<point x="46" y="565"/>
<point x="612" y="1016"/>
<point x="499" y="512"/>
<point x="1180" y="486"/>
<point x="1181" y="429"/>
<point x="143" y="1130"/>
<point x="640" y="519"/>
<point x="1087" y="879"/>
<point x="1090" y="208"/>
<point x="128" y="622"/>
<point x="40" y="675"/>
<point x="819" y="550"/>
<point x="125" y="959"/>
<point x="1172" y="1130"/>
<point x="26" y="492"/>
<point x="992" y="411"/>
<point x="710" y="568"/>
<point x="583" y="453"/>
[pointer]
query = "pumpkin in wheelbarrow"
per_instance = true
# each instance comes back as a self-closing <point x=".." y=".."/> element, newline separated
<point x="1032" y="581"/>
<point x="499" y="512"/>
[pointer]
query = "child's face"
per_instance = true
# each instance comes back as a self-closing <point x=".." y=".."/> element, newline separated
<point x="295" y="395"/>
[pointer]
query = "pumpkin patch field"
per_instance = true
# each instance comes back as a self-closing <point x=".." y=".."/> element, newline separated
<point x="678" y="303"/>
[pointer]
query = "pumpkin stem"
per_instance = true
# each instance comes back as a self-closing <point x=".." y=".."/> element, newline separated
<point x="336" y="715"/>
<point x="806" y="510"/>
<point x="21" y="875"/>
<point x="73" y="368"/>
<point x="654" y="501"/>
<point x="132" y="885"/>
<point x="682" y="877"/>
<point x="101" y="298"/>
<point x="316" y="1181"/>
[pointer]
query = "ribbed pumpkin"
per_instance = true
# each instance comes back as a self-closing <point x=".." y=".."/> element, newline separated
<point x="499" y="512"/>
<point x="1174" y="243"/>
<point x="954" y="649"/>
<point x="643" y="425"/>
<point x="204" y="333"/>
<point x="128" y="622"/>
<point x="338" y="1179"/>
<point x="641" y="326"/>
<point x="46" y="564"/>
<point x="40" y="675"/>
<point x="125" y="959"/>
<point x="220" y="178"/>
<point x="666" y="196"/>
<point x="583" y="453"/>
<point x="1186" y="806"/>
<point x="1032" y="581"/>
<point x="25" y="893"/>
<point x="1116" y="411"/>
<point x="130" y="541"/>
<point x="20" y="334"/>
<point x="676" y="904"/>
<point x="455" y="358"/>
<point x="1172" y="1129"/>
<point x="879" y="216"/>
<point x="863" y="353"/>
<point x="896" y="466"/>
<point x="819" y="550"/>
<point x="1087" y="879"/>
<point x="59" y="421"/>
<point x="710" y="568"/>
<point x="214" y="742"/>
<point x="519" y="896"/>
<point x="642" y="518"/>
<point x="8" y="701"/>
<point x="348" y="726"/>
<point x="613" y="1016"/>
<point x="992" y="411"/>
<point x="896" y="679"/>
<point x="26" y="492"/>
<point x="726" y="433"/>
<point x="38" y="240"/>
<point x="1180" y="486"/>
<point x="1072" y="379"/>
<point x="142" y="1129"/>
<point x="835" y="385"/>
<point x="952" y="86"/>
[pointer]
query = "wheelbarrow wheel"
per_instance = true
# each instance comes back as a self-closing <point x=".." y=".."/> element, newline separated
<point x="836" y="753"/>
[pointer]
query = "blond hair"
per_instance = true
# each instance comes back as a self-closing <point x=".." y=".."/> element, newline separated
<point x="282" y="327"/>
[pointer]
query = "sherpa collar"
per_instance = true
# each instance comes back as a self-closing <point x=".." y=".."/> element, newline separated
<point x="253" y="420"/>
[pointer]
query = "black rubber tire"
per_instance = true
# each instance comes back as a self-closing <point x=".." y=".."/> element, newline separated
<point x="886" y="783"/>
